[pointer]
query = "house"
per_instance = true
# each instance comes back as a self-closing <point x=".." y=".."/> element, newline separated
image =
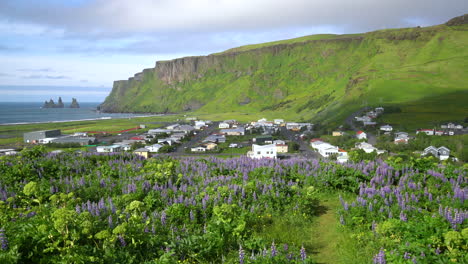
<point x="452" y="126"/>
<point x="379" y="110"/>
<point x="281" y="148"/>
<point x="239" y="131"/>
<point x="315" y="142"/>
<point x="279" y="142"/>
<point x="429" y="132"/>
<point x="233" y="145"/>
<point x="368" y="148"/>
<point x="438" y="132"/>
<point x="387" y="128"/>
<point x="263" y="140"/>
<point x="34" y="137"/>
<point x="361" y="135"/>
<point x="337" y="133"/>
<point x="342" y="156"/>
<point x="124" y="146"/>
<point x="210" y="146"/>
<point x="168" y="141"/>
<point x="224" y="125"/>
<point x="7" y="152"/>
<point x="369" y="123"/>
<point x="184" y="128"/>
<point x="326" y="150"/>
<point x="441" y="153"/>
<point x="106" y="149"/>
<point x="137" y="138"/>
<point x="143" y="152"/>
<point x="401" y="138"/>
<point x="200" y="124"/>
<point x="363" y="118"/>
<point x="154" y="148"/>
<point x="278" y="121"/>
<point x="265" y="151"/>
<point x="83" y="141"/>
<point x="198" y="149"/>
<point x="372" y="114"/>
<point x="159" y="131"/>
<point x="142" y="126"/>
<point x="80" y="134"/>
<point x="216" y="138"/>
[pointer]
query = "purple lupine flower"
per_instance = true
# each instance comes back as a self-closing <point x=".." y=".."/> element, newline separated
<point x="380" y="257"/>
<point x="163" y="218"/>
<point x="122" y="241"/>
<point x="407" y="255"/>
<point x="3" y="239"/>
<point x="437" y="251"/>
<point x="303" y="253"/>
<point x="241" y="255"/>
<point x="285" y="247"/>
<point x="192" y="216"/>
<point x="403" y="217"/>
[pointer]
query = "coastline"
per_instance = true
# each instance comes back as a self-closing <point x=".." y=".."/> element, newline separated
<point x="78" y="120"/>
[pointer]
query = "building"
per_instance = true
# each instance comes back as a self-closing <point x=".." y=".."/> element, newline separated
<point x="452" y="126"/>
<point x="361" y="135"/>
<point x="387" y="128"/>
<point x="215" y="138"/>
<point x="210" y="145"/>
<point x="401" y="138"/>
<point x="342" y="156"/>
<point x="263" y="140"/>
<point x="158" y="131"/>
<point x="154" y="147"/>
<point x="124" y="146"/>
<point x="282" y="148"/>
<point x="36" y="136"/>
<point x="337" y="133"/>
<point x="239" y="131"/>
<point x="260" y="152"/>
<point x="441" y="153"/>
<point x="143" y="152"/>
<point x="278" y="121"/>
<point x="429" y="132"/>
<point x="198" y="149"/>
<point x="379" y="110"/>
<point x="438" y="132"/>
<point x="224" y="125"/>
<point x="83" y="141"/>
<point x="106" y="149"/>
<point x="7" y="152"/>
<point x="368" y="148"/>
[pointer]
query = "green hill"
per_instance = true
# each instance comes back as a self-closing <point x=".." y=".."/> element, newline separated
<point x="319" y="78"/>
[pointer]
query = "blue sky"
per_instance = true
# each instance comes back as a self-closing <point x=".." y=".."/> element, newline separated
<point x="91" y="43"/>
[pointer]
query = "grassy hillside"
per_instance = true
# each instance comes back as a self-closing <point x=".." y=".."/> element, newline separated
<point x="319" y="78"/>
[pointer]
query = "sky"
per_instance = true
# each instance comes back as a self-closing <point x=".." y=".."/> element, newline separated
<point x="82" y="46"/>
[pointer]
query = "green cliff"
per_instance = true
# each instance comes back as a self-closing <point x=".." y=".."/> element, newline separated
<point x="320" y="77"/>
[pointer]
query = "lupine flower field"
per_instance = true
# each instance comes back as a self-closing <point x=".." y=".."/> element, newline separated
<point x="120" y="208"/>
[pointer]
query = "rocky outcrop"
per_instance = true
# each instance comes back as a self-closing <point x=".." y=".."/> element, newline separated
<point x="52" y="104"/>
<point x="74" y="103"/>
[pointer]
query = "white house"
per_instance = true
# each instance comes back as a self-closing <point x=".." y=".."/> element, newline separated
<point x="401" y="137"/>
<point x="198" y="149"/>
<point x="154" y="148"/>
<point x="361" y="135"/>
<point x="429" y="132"/>
<point x="342" y="156"/>
<point x="239" y="131"/>
<point x="111" y="148"/>
<point x="278" y="121"/>
<point x="442" y="153"/>
<point x="223" y="125"/>
<point x="124" y="146"/>
<point x="368" y="148"/>
<point x="265" y="151"/>
<point x="387" y="128"/>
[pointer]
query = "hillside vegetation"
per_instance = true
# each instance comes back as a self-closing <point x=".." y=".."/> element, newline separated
<point x="320" y="78"/>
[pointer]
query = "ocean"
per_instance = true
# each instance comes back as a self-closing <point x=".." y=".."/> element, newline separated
<point x="25" y="112"/>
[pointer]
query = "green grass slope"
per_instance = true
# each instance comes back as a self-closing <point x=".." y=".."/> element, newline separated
<point x="319" y="78"/>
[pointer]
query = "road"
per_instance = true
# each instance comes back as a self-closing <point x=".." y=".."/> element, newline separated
<point x="304" y="148"/>
<point x="196" y="139"/>
<point x="371" y="138"/>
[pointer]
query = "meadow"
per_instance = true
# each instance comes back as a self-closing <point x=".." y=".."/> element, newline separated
<point x="121" y="208"/>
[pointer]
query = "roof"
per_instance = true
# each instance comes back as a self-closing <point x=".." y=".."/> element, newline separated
<point x="342" y="150"/>
<point x="360" y="132"/>
<point x="316" y="139"/>
<point x="141" y="150"/>
<point x="425" y="130"/>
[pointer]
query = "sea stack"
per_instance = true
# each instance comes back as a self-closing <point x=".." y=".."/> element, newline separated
<point x="74" y="103"/>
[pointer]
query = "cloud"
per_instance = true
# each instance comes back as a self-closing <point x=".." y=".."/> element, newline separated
<point x="52" y="77"/>
<point x="119" y="18"/>
<point x="35" y="70"/>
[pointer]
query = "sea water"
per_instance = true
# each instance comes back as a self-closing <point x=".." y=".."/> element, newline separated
<point x="26" y="112"/>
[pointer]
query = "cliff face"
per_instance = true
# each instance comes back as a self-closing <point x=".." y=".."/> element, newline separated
<point x="306" y="77"/>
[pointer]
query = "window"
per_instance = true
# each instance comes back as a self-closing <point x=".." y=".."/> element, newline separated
<point x="258" y="152"/>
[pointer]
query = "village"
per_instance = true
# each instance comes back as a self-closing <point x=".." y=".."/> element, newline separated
<point x="360" y="138"/>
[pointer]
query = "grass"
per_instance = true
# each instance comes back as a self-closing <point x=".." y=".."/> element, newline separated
<point x="321" y="78"/>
